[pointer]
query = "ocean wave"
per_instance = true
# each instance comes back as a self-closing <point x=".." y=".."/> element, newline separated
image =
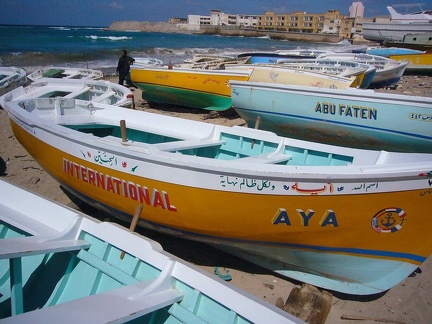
<point x="61" y="28"/>
<point x="114" y="38"/>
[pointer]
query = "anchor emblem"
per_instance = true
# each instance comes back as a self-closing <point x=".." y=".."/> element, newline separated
<point x="388" y="220"/>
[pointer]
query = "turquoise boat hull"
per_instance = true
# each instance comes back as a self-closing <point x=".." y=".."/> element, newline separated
<point x="352" y="117"/>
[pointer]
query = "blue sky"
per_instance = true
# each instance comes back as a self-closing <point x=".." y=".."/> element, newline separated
<point x="104" y="12"/>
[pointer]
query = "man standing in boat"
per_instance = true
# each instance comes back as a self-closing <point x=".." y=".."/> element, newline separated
<point x="123" y="67"/>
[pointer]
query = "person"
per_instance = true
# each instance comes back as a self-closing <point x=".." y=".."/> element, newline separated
<point x="123" y="67"/>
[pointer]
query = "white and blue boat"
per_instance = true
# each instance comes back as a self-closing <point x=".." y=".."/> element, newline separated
<point x="350" y="117"/>
<point x="57" y="264"/>
<point x="388" y="71"/>
<point x="328" y="65"/>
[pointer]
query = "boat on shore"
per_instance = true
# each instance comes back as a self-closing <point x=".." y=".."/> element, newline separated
<point x="88" y="271"/>
<point x="351" y="117"/>
<point x="398" y="26"/>
<point x="209" y="88"/>
<point x="364" y="73"/>
<point x="388" y="71"/>
<point x="65" y="73"/>
<point x="92" y="90"/>
<point x="416" y="63"/>
<point x="10" y="78"/>
<point x="331" y="216"/>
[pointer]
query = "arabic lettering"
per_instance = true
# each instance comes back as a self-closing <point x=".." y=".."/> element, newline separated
<point x="103" y="158"/>
<point x="312" y="191"/>
<point x="243" y="183"/>
<point x="366" y="186"/>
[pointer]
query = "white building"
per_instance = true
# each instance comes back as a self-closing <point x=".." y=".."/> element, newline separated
<point x="356" y="10"/>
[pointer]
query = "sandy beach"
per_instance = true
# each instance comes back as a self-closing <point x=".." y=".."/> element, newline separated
<point x="408" y="302"/>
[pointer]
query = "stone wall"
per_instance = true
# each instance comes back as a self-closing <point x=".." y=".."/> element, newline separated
<point x="162" y="27"/>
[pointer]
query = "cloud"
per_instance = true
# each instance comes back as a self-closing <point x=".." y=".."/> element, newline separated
<point x="115" y="5"/>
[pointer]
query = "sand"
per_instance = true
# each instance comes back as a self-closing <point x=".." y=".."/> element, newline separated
<point x="408" y="302"/>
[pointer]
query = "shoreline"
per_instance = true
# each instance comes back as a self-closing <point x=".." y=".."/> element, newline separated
<point x="408" y="302"/>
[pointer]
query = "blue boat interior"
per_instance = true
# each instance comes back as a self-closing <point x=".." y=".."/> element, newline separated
<point x="227" y="147"/>
<point x="47" y="276"/>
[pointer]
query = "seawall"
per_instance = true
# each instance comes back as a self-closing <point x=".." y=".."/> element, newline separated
<point x="162" y="27"/>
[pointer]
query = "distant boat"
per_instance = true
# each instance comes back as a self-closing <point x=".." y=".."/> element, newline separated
<point x="388" y="71"/>
<point x="91" y="90"/>
<point x="65" y="73"/>
<point x="209" y="89"/>
<point x="398" y="26"/>
<point x="351" y="117"/>
<point x="11" y="78"/>
<point x="58" y="264"/>
<point x="331" y="216"/>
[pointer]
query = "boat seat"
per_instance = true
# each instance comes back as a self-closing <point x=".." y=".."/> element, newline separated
<point x="266" y="158"/>
<point x="114" y="306"/>
<point x="34" y="245"/>
<point x="78" y="93"/>
<point x="187" y="144"/>
<point x="103" y="96"/>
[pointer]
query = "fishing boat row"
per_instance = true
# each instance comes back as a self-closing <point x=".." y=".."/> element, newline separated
<point x="335" y="217"/>
<point x="59" y="264"/>
<point x="209" y="89"/>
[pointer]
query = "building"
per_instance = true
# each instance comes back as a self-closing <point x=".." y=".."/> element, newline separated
<point x="356" y="10"/>
<point x="331" y="22"/>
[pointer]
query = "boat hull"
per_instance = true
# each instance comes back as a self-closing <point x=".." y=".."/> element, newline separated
<point x="355" y="118"/>
<point x="417" y="63"/>
<point x="380" y="32"/>
<point x="286" y="218"/>
<point x="203" y="89"/>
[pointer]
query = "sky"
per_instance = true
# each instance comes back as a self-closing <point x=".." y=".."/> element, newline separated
<point x="103" y="12"/>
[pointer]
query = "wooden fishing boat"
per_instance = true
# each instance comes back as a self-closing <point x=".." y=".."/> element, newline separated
<point x="209" y="89"/>
<point x="388" y="71"/>
<point x="57" y="263"/>
<point x="364" y="73"/>
<point x="10" y="78"/>
<point x="331" y="216"/>
<point x="93" y="90"/>
<point x="416" y="63"/>
<point x="65" y="73"/>
<point x="352" y="117"/>
<point x="196" y="88"/>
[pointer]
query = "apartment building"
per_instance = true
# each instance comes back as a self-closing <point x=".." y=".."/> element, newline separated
<point x="331" y="22"/>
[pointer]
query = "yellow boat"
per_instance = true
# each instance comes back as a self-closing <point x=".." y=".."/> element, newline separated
<point x="350" y="220"/>
<point x="418" y="63"/>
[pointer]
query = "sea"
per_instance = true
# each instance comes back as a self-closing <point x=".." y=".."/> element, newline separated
<point x="34" y="47"/>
